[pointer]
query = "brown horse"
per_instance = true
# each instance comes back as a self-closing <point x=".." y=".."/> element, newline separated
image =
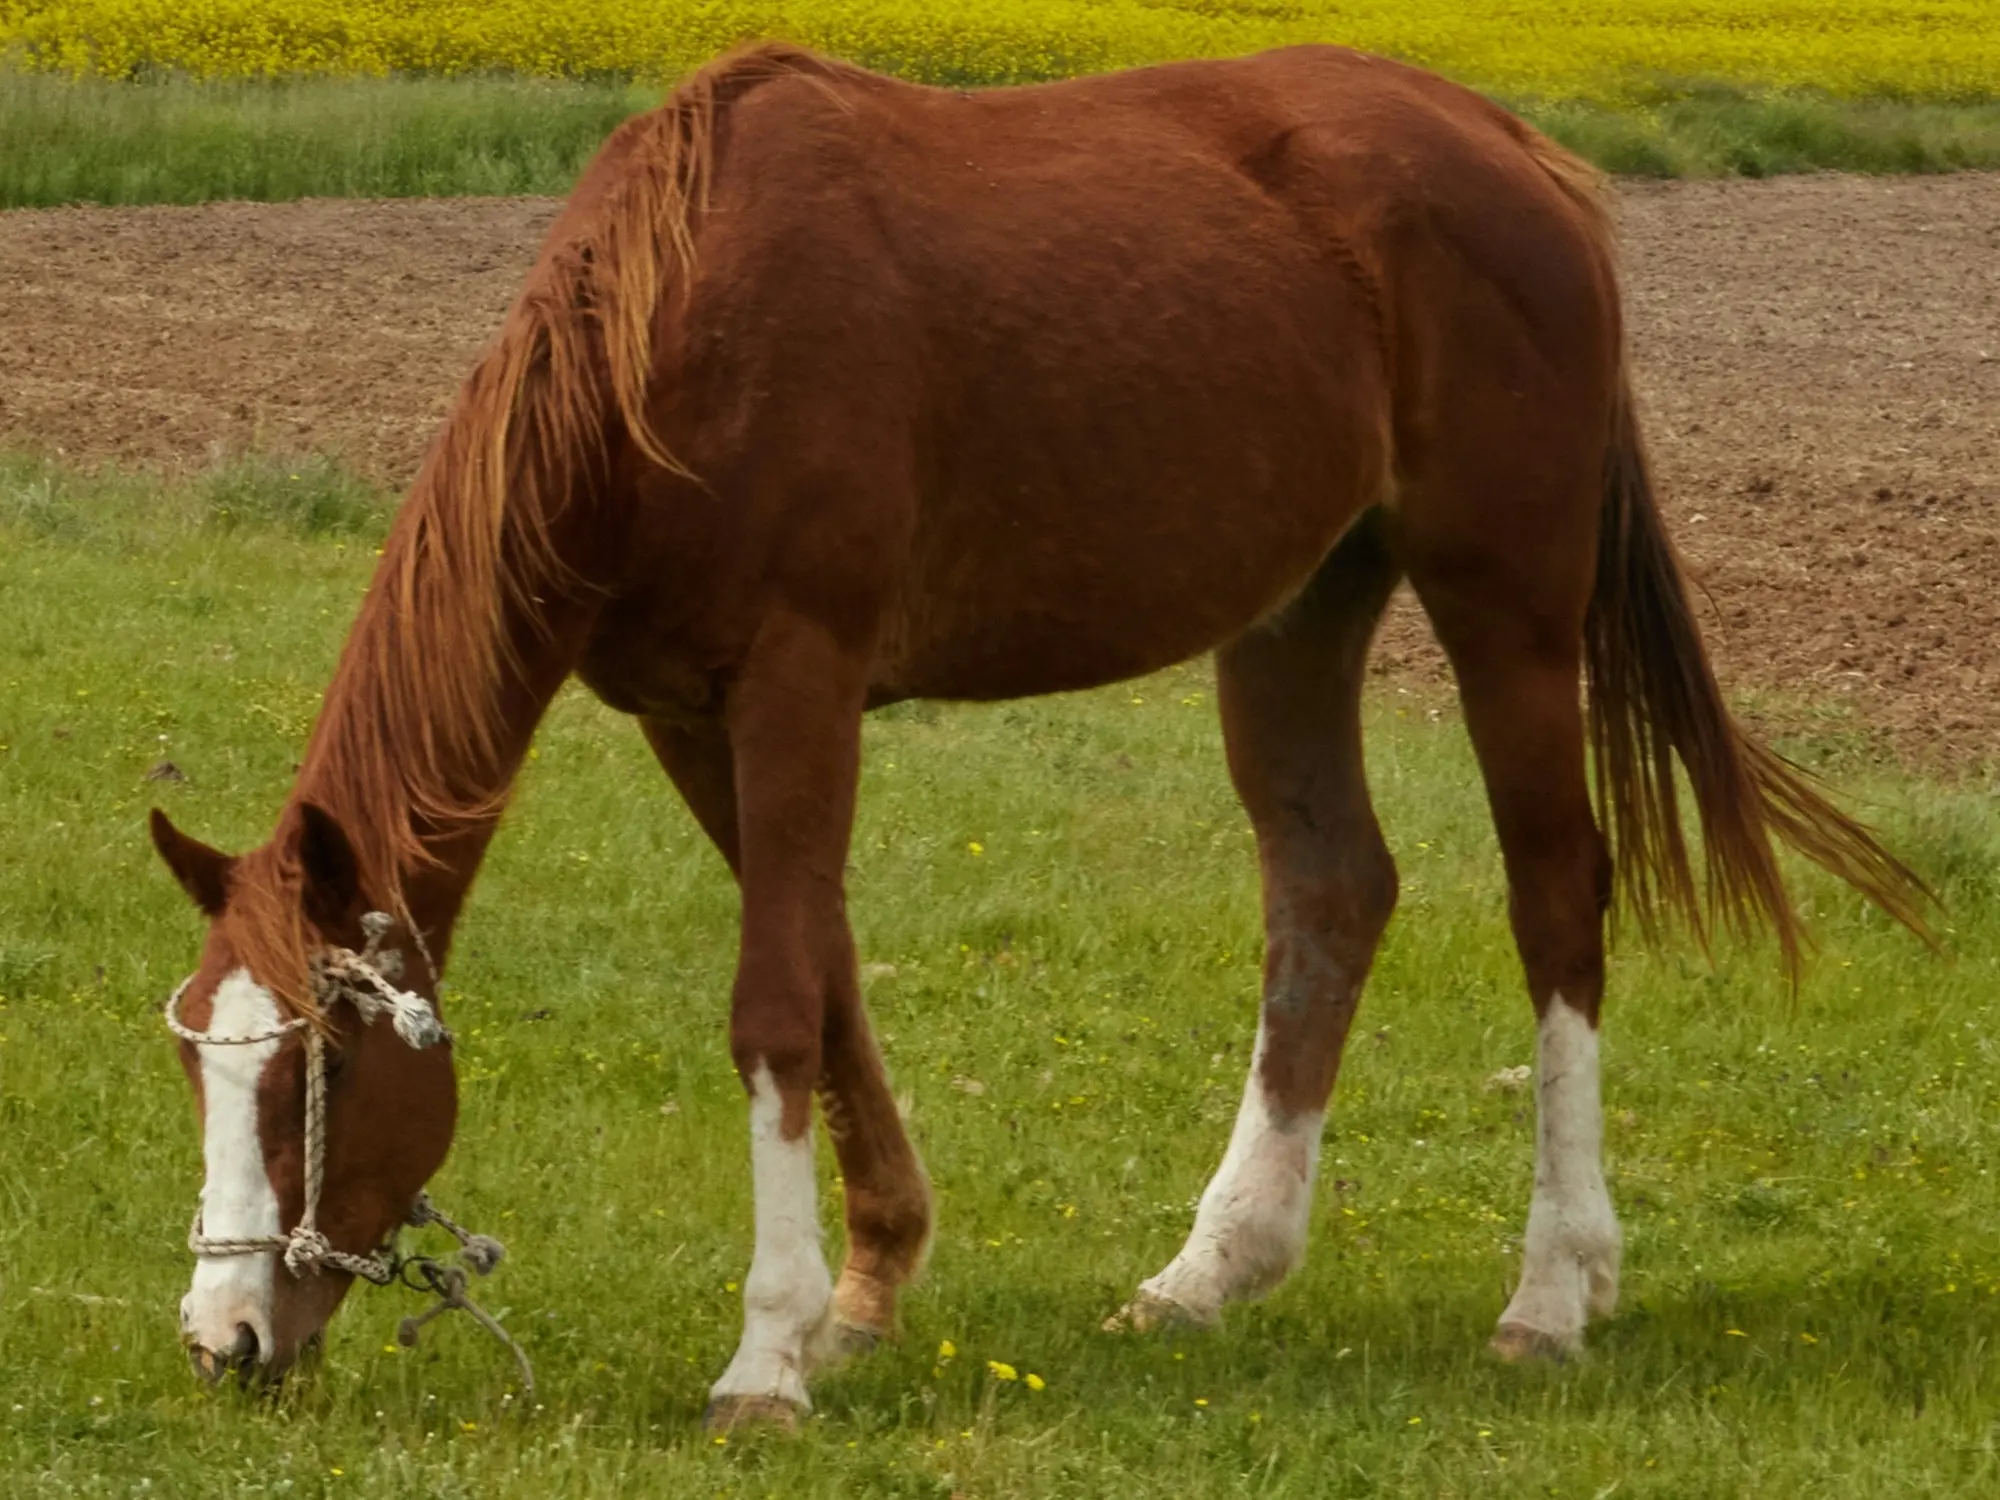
<point x="828" y="391"/>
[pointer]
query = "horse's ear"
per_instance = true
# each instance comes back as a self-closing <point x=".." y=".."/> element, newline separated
<point x="203" y="872"/>
<point x="332" y="873"/>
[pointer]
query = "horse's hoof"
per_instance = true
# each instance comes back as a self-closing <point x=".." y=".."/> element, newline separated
<point x="727" y="1414"/>
<point x="1518" y="1344"/>
<point x="1149" y="1312"/>
<point x="864" y="1302"/>
<point x="852" y="1340"/>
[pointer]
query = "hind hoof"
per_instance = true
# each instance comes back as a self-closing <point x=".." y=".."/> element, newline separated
<point x="1518" y="1344"/>
<point x="851" y="1341"/>
<point x="1149" y="1312"/>
<point x="727" y="1414"/>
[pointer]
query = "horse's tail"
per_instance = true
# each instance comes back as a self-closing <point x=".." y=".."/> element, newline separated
<point x="1653" y="697"/>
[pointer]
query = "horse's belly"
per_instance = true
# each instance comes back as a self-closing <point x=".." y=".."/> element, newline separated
<point x="1104" y="506"/>
<point x="1050" y="608"/>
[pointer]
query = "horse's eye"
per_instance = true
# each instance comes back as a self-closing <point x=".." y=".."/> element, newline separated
<point x="336" y="1064"/>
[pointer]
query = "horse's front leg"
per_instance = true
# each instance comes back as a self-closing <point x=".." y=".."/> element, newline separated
<point x="886" y="1194"/>
<point x="794" y="721"/>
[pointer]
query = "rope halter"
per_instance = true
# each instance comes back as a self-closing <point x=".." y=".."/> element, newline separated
<point x="366" y="980"/>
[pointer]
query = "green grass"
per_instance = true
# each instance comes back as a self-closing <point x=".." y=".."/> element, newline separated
<point x="1807" y="1182"/>
<point x="1728" y="132"/>
<point x="177" y="141"/>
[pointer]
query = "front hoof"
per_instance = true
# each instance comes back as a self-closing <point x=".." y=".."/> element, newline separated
<point x="1149" y="1312"/>
<point x="1518" y="1344"/>
<point x="727" y="1414"/>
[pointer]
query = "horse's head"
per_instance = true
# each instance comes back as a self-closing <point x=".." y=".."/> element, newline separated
<point x="319" y="1128"/>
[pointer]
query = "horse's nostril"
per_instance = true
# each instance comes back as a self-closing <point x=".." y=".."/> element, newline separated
<point x="206" y="1365"/>
<point x="244" y="1350"/>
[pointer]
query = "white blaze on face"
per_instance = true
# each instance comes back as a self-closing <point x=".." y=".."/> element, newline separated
<point x="788" y="1295"/>
<point x="237" y="1200"/>
<point x="1250" y="1230"/>
<point x="1569" y="1261"/>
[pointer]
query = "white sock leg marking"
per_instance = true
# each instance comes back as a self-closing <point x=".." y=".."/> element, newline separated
<point x="1569" y="1261"/>
<point x="237" y="1200"/>
<point x="1251" y="1227"/>
<point x="788" y="1295"/>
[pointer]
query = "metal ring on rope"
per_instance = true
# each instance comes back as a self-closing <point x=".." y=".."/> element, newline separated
<point x="365" y="980"/>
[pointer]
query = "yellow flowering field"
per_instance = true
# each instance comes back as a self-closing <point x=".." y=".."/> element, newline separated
<point x="1608" y="51"/>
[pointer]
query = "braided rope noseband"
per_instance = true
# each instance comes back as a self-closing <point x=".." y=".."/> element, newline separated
<point x="366" y="981"/>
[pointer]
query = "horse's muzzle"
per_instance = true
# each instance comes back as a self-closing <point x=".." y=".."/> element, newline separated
<point x="212" y="1364"/>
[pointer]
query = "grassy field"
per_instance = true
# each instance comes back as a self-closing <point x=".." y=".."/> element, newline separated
<point x="176" y="140"/>
<point x="126" y="101"/>
<point x="1064" y="891"/>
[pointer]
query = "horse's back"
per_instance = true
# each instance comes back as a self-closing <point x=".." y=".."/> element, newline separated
<point x="1106" y="366"/>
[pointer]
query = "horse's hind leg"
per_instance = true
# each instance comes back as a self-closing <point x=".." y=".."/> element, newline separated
<point x="1503" y="560"/>
<point x="1291" y="694"/>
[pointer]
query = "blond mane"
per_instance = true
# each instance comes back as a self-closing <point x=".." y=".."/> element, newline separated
<point x="407" y="750"/>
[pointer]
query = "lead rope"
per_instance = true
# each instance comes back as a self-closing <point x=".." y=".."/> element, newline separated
<point x="365" y="980"/>
<point x="480" y="1253"/>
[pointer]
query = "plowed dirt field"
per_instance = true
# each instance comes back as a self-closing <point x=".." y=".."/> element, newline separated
<point x="1819" y="361"/>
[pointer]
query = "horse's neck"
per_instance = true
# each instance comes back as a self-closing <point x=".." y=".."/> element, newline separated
<point x="435" y="875"/>
<point x="469" y="628"/>
<point x="435" y="894"/>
